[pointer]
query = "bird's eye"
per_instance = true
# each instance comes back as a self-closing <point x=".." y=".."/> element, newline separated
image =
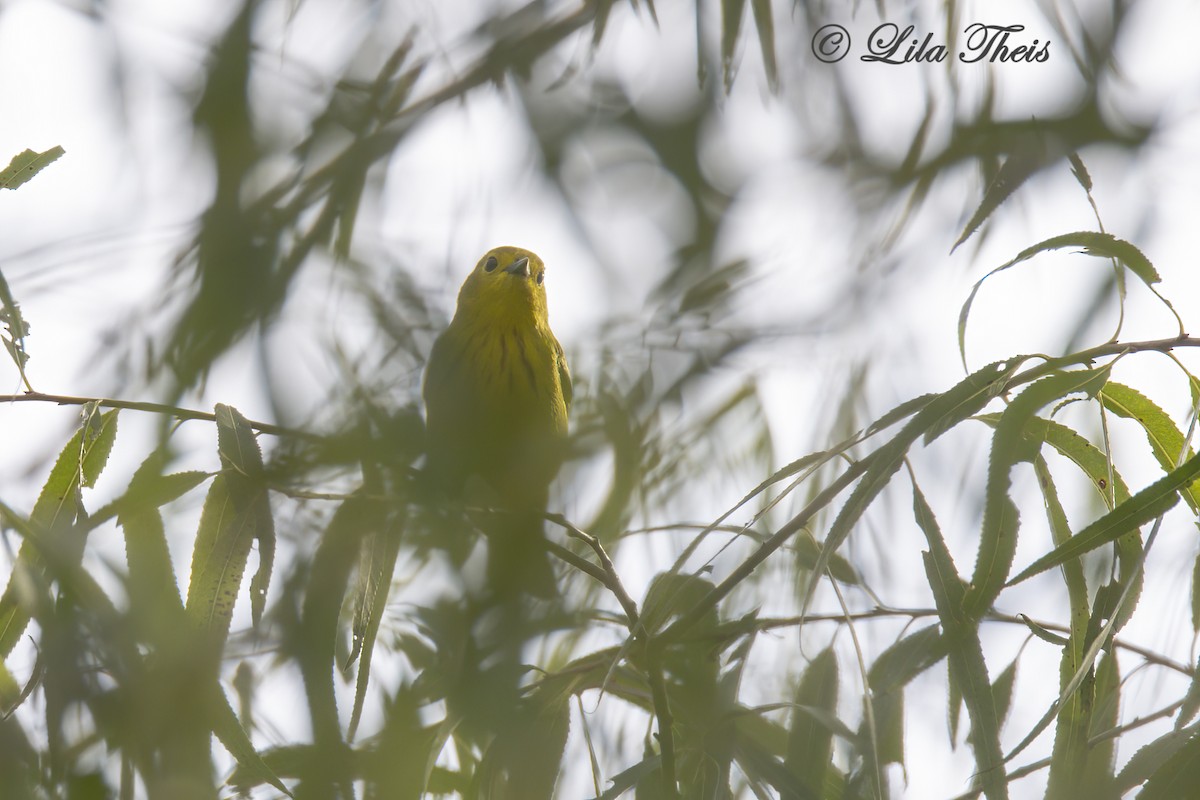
<point x="541" y="277"/>
<point x="491" y="264"/>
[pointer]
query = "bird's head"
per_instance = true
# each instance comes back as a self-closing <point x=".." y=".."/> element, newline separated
<point x="508" y="284"/>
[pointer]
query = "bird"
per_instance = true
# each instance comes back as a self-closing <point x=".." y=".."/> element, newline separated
<point x="497" y="394"/>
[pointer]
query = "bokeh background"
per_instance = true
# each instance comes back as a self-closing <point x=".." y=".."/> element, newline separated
<point x="750" y="252"/>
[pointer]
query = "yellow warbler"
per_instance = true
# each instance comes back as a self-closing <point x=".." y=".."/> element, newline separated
<point x="497" y="391"/>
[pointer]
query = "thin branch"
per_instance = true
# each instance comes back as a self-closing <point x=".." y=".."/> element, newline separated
<point x="611" y="580"/>
<point x="1148" y="655"/>
<point x="152" y="408"/>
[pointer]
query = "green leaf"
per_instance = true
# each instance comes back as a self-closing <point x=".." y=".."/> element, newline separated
<point x="17" y="329"/>
<point x="236" y="512"/>
<point x="1098" y="780"/>
<point x="1150" y="759"/>
<point x="219" y="558"/>
<point x="1178" y="776"/>
<point x="965" y="653"/>
<point x="25" y="165"/>
<point x="810" y="739"/>
<point x="252" y="769"/>
<point x="1028" y="155"/>
<point x="78" y="465"/>
<point x="152" y="587"/>
<point x="1153" y="501"/>
<point x="998" y="536"/>
<point x="241" y="461"/>
<point x="887" y="678"/>
<point x="378" y="562"/>
<point x="529" y="755"/>
<point x="50" y="530"/>
<point x="1080" y="171"/>
<point x="1166" y="442"/>
<point x="899" y="664"/>
<point x="329" y="579"/>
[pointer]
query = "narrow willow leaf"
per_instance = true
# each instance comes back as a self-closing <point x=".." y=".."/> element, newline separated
<point x="152" y="585"/>
<point x="233" y="736"/>
<point x="50" y="529"/>
<point x="78" y="465"/>
<point x="883" y="743"/>
<point x="1178" y="776"/>
<point x="1099" y="245"/>
<point x="1050" y="637"/>
<point x="530" y="751"/>
<point x="395" y="766"/>
<point x="903" y="661"/>
<point x="965" y="653"/>
<point x="25" y="165"/>
<point x="966" y="662"/>
<point x="1068" y="757"/>
<point x="151" y="490"/>
<point x="998" y="536"/>
<point x="99" y="434"/>
<point x="810" y="740"/>
<point x="887" y="678"/>
<point x="1166" y="442"/>
<point x="17" y="329"/>
<point x="329" y="579"/>
<point x="219" y="558"/>
<point x="1097" y="467"/>
<point x="954" y="704"/>
<point x="382" y="548"/>
<point x="1002" y="690"/>
<point x="1099" y="778"/>
<point x="236" y="512"/>
<point x="1153" y="501"/>
<point x="1028" y="155"/>
<point x="1080" y="171"/>
<point x="902" y="411"/>
<point x="242" y="464"/>
<point x="1148" y="760"/>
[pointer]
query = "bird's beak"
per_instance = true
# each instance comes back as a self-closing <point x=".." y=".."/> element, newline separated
<point x="519" y="267"/>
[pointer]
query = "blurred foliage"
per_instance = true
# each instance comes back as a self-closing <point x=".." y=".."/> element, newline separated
<point x="372" y="663"/>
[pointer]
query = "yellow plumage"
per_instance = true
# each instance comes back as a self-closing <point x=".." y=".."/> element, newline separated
<point x="497" y="392"/>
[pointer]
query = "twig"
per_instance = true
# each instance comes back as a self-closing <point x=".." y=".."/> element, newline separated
<point x="611" y="579"/>
<point x="153" y="408"/>
<point x="1150" y="656"/>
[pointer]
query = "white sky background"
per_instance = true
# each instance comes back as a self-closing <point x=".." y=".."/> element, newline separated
<point x="88" y="244"/>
